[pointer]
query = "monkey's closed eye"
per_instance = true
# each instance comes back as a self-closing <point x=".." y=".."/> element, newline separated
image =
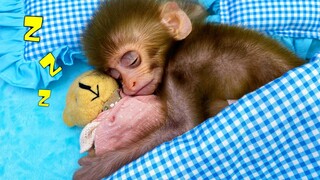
<point x="130" y="59"/>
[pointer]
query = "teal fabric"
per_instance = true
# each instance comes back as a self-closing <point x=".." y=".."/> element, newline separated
<point x="35" y="143"/>
<point x="14" y="68"/>
<point x="213" y="7"/>
<point x="305" y="48"/>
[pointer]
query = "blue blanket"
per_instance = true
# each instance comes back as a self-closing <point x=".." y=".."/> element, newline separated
<point x="270" y="133"/>
<point x="35" y="143"/>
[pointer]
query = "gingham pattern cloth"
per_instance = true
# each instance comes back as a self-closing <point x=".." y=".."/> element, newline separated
<point x="272" y="133"/>
<point x="63" y="22"/>
<point x="293" y="18"/>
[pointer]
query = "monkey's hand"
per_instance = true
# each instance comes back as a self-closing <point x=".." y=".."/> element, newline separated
<point x="98" y="167"/>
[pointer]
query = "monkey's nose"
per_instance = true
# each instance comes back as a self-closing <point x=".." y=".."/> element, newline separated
<point x="129" y="88"/>
<point x="131" y="85"/>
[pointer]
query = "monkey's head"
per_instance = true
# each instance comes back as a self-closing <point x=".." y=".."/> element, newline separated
<point x="129" y="40"/>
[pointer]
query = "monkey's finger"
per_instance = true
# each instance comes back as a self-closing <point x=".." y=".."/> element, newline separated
<point x="79" y="174"/>
<point x="94" y="171"/>
<point x="85" y="161"/>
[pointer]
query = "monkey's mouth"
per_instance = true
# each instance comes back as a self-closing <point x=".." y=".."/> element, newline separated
<point x="146" y="89"/>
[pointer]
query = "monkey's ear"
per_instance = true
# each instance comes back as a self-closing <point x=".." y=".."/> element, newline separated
<point x="176" y="20"/>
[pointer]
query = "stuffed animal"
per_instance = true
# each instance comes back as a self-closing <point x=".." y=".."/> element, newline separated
<point x="111" y="123"/>
<point x="88" y="95"/>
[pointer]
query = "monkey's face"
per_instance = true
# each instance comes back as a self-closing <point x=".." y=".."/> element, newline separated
<point x="139" y="65"/>
<point x="131" y="46"/>
<point x="139" y="75"/>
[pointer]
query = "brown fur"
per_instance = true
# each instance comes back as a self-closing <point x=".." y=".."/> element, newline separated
<point x="219" y="62"/>
<point x="213" y="64"/>
<point x="123" y="22"/>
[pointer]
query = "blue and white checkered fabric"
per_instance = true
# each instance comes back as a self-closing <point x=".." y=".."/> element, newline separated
<point x="293" y="18"/>
<point x="272" y="133"/>
<point x="63" y="22"/>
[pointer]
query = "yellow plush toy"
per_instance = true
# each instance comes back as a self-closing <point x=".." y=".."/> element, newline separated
<point x="91" y="93"/>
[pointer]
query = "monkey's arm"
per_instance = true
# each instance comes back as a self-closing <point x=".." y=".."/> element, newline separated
<point x="100" y="166"/>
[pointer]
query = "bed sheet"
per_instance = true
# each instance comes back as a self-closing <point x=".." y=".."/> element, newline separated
<point x="35" y="143"/>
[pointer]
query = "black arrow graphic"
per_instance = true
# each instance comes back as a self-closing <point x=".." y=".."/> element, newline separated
<point x="86" y="87"/>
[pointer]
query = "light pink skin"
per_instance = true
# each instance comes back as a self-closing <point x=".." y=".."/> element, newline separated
<point x="134" y="85"/>
<point x="132" y="119"/>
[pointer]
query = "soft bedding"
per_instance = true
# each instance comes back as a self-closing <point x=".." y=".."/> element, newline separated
<point x="273" y="132"/>
<point x="35" y="143"/>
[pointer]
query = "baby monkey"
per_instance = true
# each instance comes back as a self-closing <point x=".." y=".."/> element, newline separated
<point x="166" y="48"/>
